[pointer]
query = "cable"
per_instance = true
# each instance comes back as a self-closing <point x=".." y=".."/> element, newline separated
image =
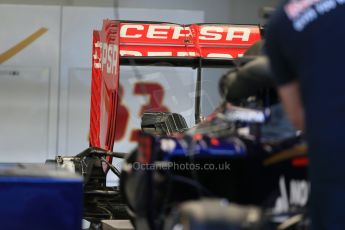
<point x="107" y="211"/>
<point x="111" y="167"/>
<point x="117" y="154"/>
<point x="116" y="9"/>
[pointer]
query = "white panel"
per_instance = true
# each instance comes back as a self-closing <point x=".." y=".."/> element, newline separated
<point x="24" y="114"/>
<point x="17" y="23"/>
<point x="178" y="85"/>
<point x="78" y="24"/>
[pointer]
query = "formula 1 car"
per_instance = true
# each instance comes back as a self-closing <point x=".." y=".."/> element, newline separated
<point x="261" y="172"/>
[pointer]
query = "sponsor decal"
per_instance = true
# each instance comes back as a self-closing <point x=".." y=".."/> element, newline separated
<point x="176" y="32"/>
<point x="105" y="57"/>
<point x="304" y="12"/>
<point x="172" y="40"/>
<point x="297" y="196"/>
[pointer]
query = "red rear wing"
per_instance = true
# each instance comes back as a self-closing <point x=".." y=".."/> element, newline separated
<point x="119" y="42"/>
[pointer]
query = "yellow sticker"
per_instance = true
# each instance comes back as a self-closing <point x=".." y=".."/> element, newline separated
<point x="21" y="45"/>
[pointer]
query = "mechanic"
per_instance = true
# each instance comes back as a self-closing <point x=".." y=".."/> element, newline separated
<point x="305" y="42"/>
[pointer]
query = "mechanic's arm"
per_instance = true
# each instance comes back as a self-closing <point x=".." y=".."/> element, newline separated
<point x="284" y="73"/>
<point x="290" y="96"/>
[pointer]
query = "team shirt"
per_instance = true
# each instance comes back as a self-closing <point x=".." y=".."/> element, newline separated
<point x="306" y="42"/>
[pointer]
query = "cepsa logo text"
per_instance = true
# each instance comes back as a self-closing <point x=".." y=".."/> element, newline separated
<point x="175" y="32"/>
<point x="105" y="57"/>
<point x="171" y="40"/>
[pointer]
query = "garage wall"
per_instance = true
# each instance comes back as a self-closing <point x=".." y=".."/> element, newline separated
<point x="29" y="82"/>
<point x="246" y="11"/>
<point x="235" y="11"/>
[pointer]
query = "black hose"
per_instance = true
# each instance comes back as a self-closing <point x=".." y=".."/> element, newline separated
<point x="112" y="167"/>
